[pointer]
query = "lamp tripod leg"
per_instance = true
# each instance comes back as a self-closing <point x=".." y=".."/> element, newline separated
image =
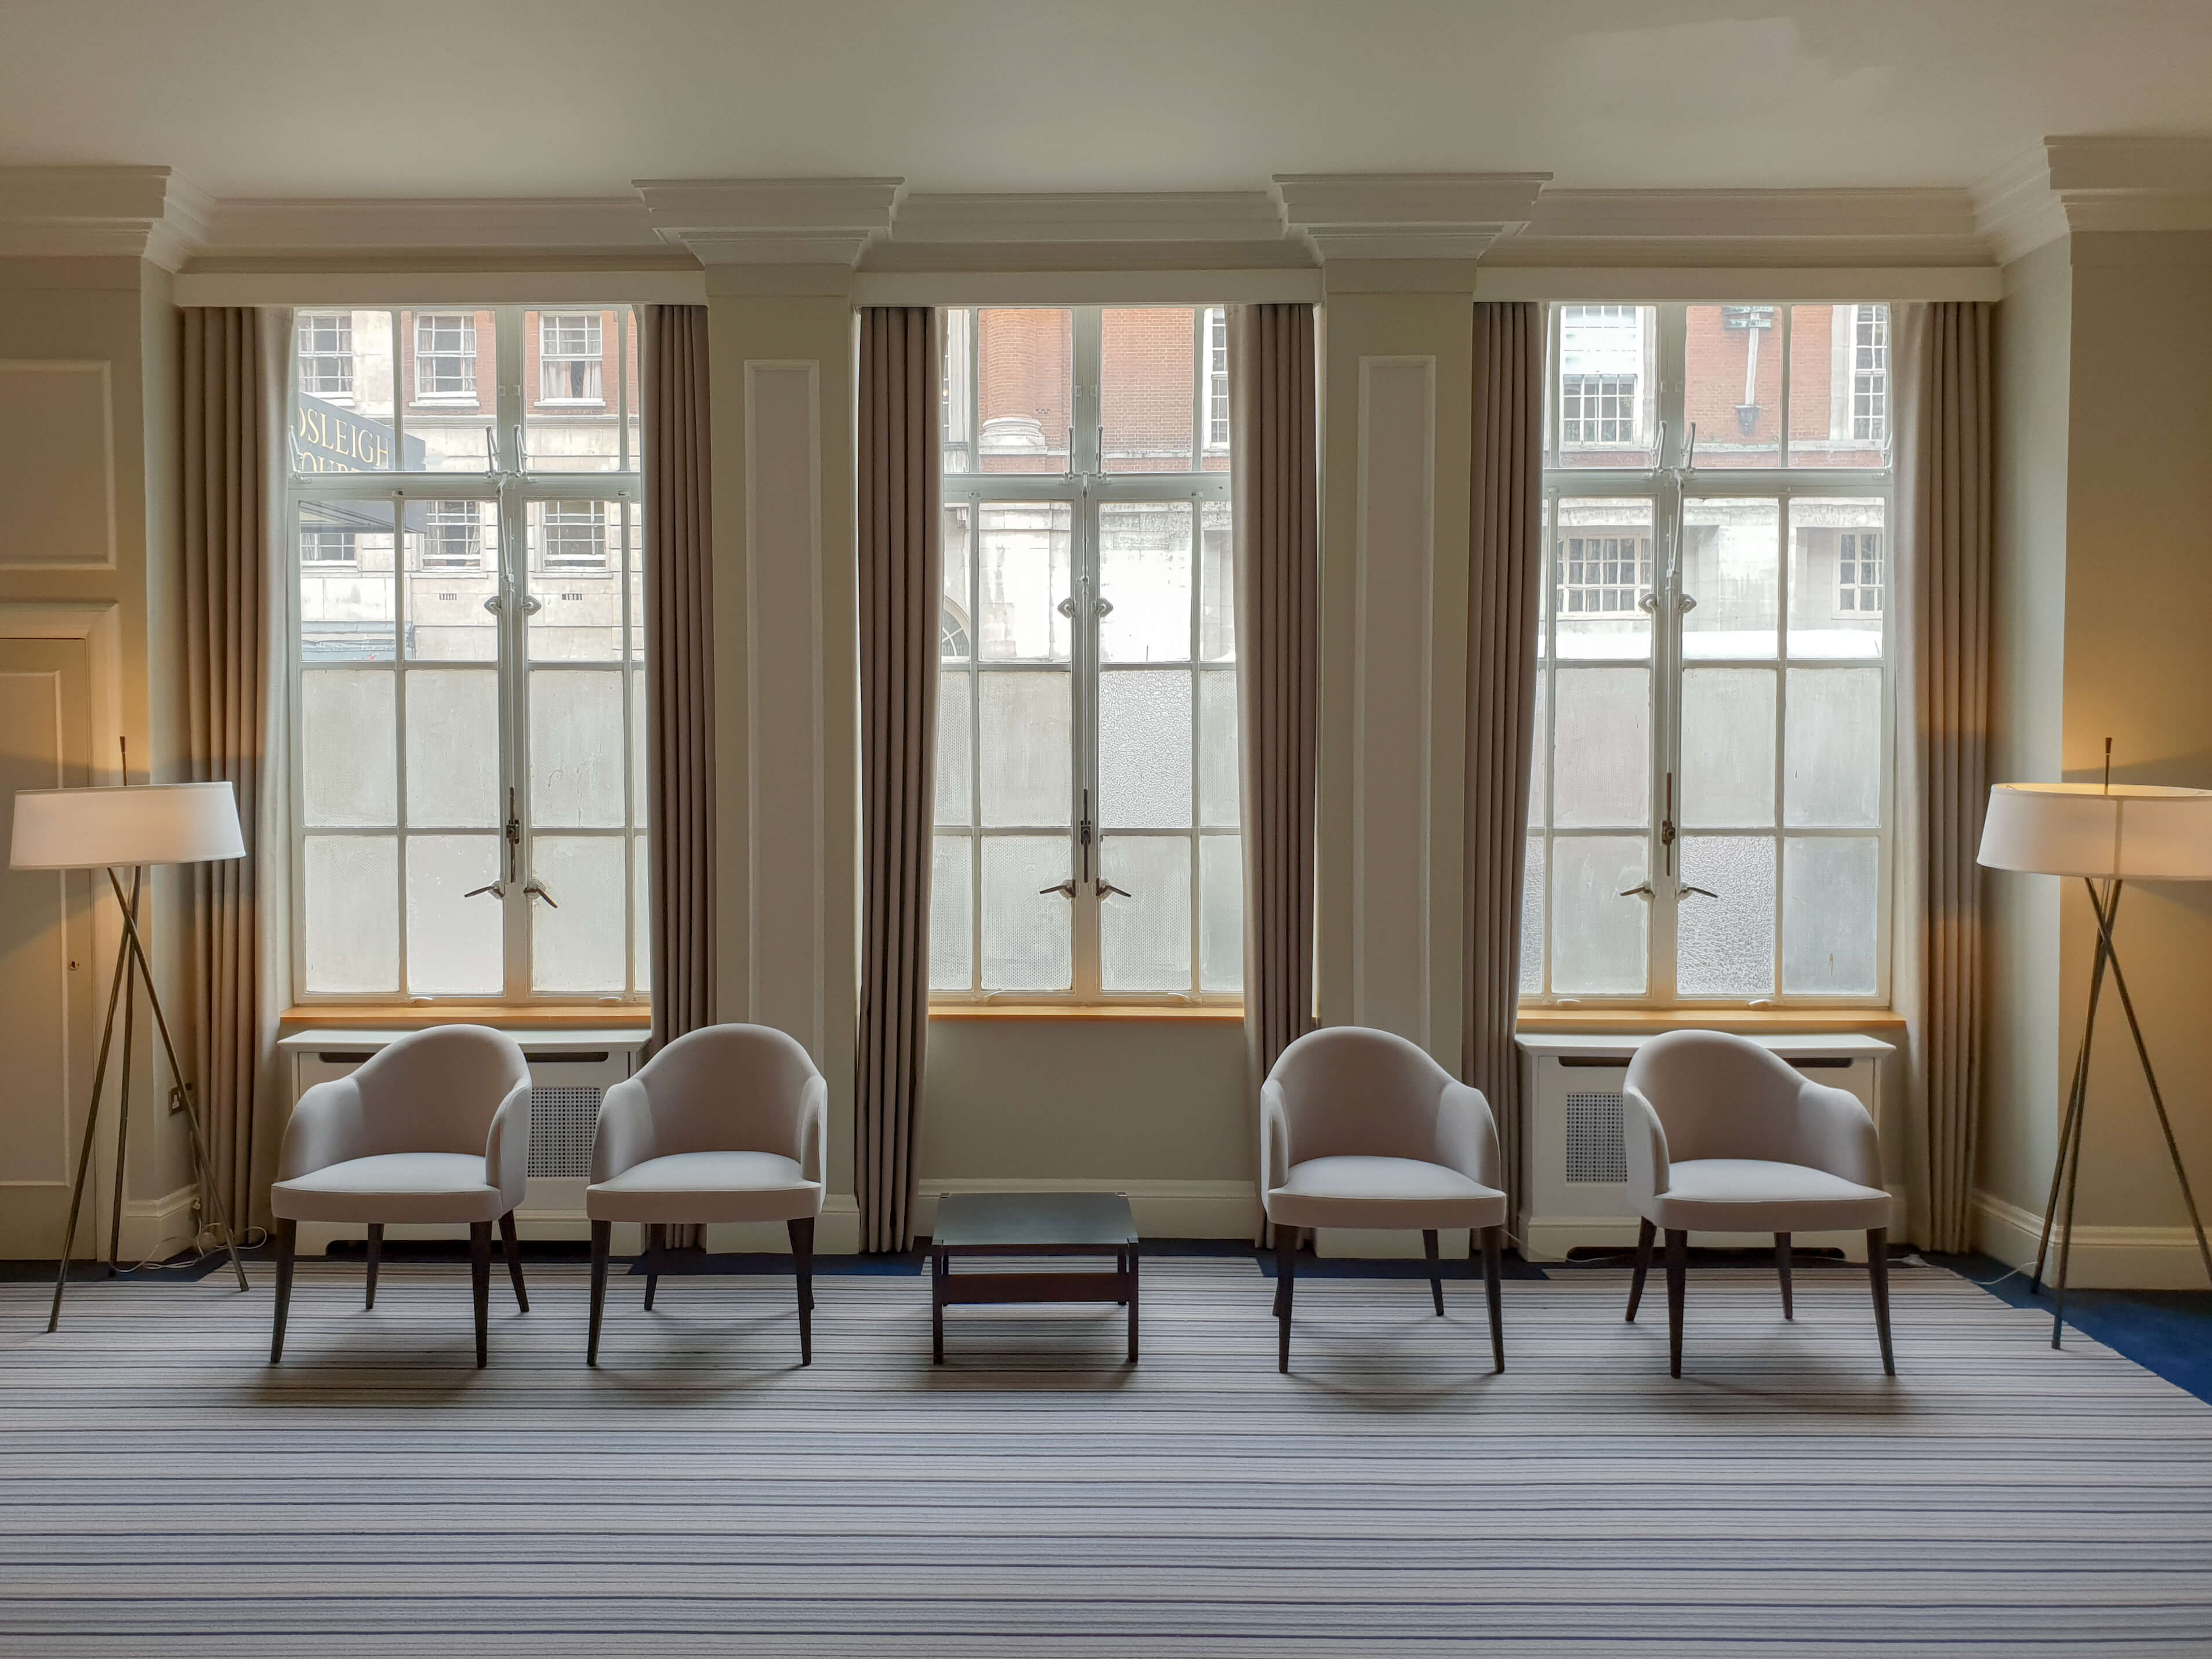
<point x="2070" y="1125"/>
<point x="91" y="1122"/>
<point x="2073" y="1154"/>
<point x="123" y="1106"/>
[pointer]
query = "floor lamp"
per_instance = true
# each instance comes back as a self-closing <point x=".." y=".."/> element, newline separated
<point x="129" y="826"/>
<point x="2108" y="836"/>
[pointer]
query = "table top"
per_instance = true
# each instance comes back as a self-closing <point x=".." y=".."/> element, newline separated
<point x="1042" y="1222"/>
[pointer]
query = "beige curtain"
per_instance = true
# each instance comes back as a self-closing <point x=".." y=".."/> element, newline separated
<point x="901" y="581"/>
<point x="679" y="668"/>
<point x="1945" y="483"/>
<point x="1504" y="565"/>
<point x="1275" y="478"/>
<point x="230" y="447"/>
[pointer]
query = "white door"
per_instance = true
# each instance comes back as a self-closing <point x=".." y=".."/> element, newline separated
<point x="47" y="995"/>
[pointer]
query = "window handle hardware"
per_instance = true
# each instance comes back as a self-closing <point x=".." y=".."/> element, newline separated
<point x="1648" y="604"/>
<point x="537" y="888"/>
<point x="1642" y="889"/>
<point x="1067" y="608"/>
<point x="1685" y="602"/>
<point x="1066" y="889"/>
<point x="1685" y="890"/>
<point x="1107" y="889"/>
<point x="531" y="605"/>
<point x="1667" y="825"/>
<point x="491" y="887"/>
<point x="1103" y="606"/>
<point x="1083" y="835"/>
<point x="495" y="605"/>
<point x="512" y="829"/>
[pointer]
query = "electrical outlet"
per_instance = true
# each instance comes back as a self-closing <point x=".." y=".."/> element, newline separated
<point x="176" y="1099"/>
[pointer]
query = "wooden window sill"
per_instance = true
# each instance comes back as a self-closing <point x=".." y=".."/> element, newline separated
<point x="511" y="1016"/>
<point x="1707" y="1019"/>
<point x="1070" y="1011"/>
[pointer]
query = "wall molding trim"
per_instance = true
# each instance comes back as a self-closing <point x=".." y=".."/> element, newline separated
<point x="1406" y="216"/>
<point x="782" y="222"/>
<point x="134" y="212"/>
<point x="2104" y="1258"/>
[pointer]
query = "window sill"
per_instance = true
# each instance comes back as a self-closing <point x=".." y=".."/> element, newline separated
<point x="1211" y="1011"/>
<point x="1707" y="1019"/>
<point x="518" y="1016"/>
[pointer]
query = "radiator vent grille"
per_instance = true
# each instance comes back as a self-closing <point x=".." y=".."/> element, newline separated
<point x="1596" y="1152"/>
<point x="561" y="1125"/>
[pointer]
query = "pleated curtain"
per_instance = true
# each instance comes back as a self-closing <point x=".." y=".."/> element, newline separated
<point x="901" y="548"/>
<point x="1945" y="494"/>
<point x="231" y="440"/>
<point x="1504" y="564"/>
<point x="680" y="669"/>
<point x="1275" y="482"/>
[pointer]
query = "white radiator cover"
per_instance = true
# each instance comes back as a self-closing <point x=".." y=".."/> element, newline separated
<point x="1574" y="1170"/>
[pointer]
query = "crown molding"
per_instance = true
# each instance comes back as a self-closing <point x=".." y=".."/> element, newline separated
<point x="2070" y="184"/>
<point x="249" y="226"/>
<point x="1406" y="216"/>
<point x="1090" y="217"/>
<point x="1722" y="228"/>
<point x="810" y="221"/>
<point x="130" y="212"/>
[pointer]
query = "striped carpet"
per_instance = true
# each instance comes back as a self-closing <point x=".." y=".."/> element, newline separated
<point x="168" y="1493"/>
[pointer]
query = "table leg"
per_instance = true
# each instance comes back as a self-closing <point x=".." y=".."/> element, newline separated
<point x="937" y="1268"/>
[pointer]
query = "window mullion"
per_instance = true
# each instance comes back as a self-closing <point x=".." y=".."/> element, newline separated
<point x="513" y="650"/>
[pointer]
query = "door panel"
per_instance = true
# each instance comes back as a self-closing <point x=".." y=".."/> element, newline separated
<point x="46" y="966"/>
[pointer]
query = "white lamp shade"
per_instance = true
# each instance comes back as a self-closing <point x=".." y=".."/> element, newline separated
<point x="2137" y="831"/>
<point x="133" y="824"/>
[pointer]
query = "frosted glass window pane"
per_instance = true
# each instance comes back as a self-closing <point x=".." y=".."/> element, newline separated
<point x="1148" y="356"/>
<point x="1832" y="744"/>
<point x="346" y="596"/>
<point x="1532" y="919"/>
<point x="1724" y="946"/>
<point x="1602" y="567"/>
<point x="576" y="747"/>
<point x="1829" y="888"/>
<point x="1732" y="566"/>
<point x="1839" y="577"/>
<point x="640" y="760"/>
<point x="1025" y="933"/>
<point x="451" y="550"/>
<point x="955" y="639"/>
<point x="641" y="912"/>
<point x="954" y="770"/>
<point x="453" y="747"/>
<point x="353" y="913"/>
<point x="951" y="915"/>
<point x="1539" y="749"/>
<point x="454" y="945"/>
<point x="1217" y="591"/>
<point x="1598" y="937"/>
<point x="1022" y="552"/>
<point x="1221" y="913"/>
<point x="1025" y="749"/>
<point x="1733" y="360"/>
<point x="1727" y="746"/>
<point x="1144" y="748"/>
<point x="1144" y="573"/>
<point x="1217" y="785"/>
<point x="348" y="736"/>
<point x="579" y="946"/>
<point x="1144" y="939"/>
<point x="1601" y="748"/>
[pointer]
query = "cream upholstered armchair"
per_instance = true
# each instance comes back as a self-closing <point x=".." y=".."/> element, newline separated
<point x="724" y="1124"/>
<point x="1725" y="1136"/>
<point x="1360" y="1128"/>
<point x="434" y="1127"/>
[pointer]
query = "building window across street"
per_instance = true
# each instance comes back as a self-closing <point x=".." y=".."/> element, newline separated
<point x="1858" y="571"/>
<point x="466" y="667"/>
<point x="1087" y="845"/>
<point x="569" y="353"/>
<point x="326" y="353"/>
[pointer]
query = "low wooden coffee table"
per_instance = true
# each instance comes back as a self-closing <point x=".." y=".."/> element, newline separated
<point x="1032" y="1224"/>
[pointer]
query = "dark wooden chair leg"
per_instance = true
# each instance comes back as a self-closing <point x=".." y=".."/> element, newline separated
<point x="1645" y="1231"/>
<point x="602" y="1241"/>
<point x="1286" y="1270"/>
<point x="1133" y="1306"/>
<point x="939" y="1264"/>
<point x="1678" y="1265"/>
<point x="1493" y="1254"/>
<point x="1782" y="1267"/>
<point x="375" y="1253"/>
<point x="1279" y="1231"/>
<point x="287" y="1234"/>
<point x="651" y="1263"/>
<point x="480" y="1274"/>
<point x="1435" y="1274"/>
<point x="802" y="1267"/>
<point x="511" y="1242"/>
<point x="1878" y="1278"/>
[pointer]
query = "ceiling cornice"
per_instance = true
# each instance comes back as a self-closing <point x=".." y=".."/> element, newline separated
<point x="1668" y="227"/>
<point x="245" y="227"/>
<point x="1093" y="216"/>
<point x="130" y="212"/>
<point x="1406" y="216"/>
<point x="772" y="221"/>
<point x="2069" y="184"/>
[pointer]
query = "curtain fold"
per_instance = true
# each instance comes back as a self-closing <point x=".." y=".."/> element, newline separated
<point x="1945" y="501"/>
<point x="226" y="548"/>
<point x="1275" y="485"/>
<point x="1504" y="565"/>
<point x="901" y="584"/>
<point x="679" y="668"/>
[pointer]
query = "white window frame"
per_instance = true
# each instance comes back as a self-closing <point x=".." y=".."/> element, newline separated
<point x="1663" y="485"/>
<point x="558" y="354"/>
<point x="520" y="584"/>
<point x="429" y="327"/>
<point x="1084" y="488"/>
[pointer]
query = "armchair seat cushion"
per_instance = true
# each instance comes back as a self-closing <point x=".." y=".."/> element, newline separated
<point x="701" y="1186"/>
<point x="1751" y="1195"/>
<point x="1381" y="1192"/>
<point x="441" y="1187"/>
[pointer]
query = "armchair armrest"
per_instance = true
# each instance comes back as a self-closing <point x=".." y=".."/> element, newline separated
<point x="1274" y="1138"/>
<point x="813" y="1127"/>
<point x="325" y="1127"/>
<point x="1645" y="1142"/>
<point x="622" y="1138"/>
<point x="1836" y="1133"/>
<point x="506" y="1148"/>
<point x="1467" y="1135"/>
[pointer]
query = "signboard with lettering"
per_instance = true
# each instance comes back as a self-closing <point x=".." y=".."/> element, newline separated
<point x="327" y="438"/>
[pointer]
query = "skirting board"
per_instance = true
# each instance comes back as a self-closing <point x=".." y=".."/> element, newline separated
<point x="2103" y="1258"/>
<point x="155" y="1229"/>
<point x="1163" y="1209"/>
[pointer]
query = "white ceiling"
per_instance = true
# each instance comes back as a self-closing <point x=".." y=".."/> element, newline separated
<point x="579" y="97"/>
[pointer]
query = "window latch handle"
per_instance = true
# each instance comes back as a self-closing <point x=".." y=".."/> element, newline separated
<point x="1107" y="889"/>
<point x="1685" y="890"/>
<point x="1642" y="889"/>
<point x="537" y="888"/>
<point x="491" y="887"/>
<point x="1066" y="889"/>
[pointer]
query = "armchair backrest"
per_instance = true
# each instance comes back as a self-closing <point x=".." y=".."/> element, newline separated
<point x="729" y="1088"/>
<point x="436" y="1091"/>
<point x="1720" y="1095"/>
<point x="1352" y="1092"/>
